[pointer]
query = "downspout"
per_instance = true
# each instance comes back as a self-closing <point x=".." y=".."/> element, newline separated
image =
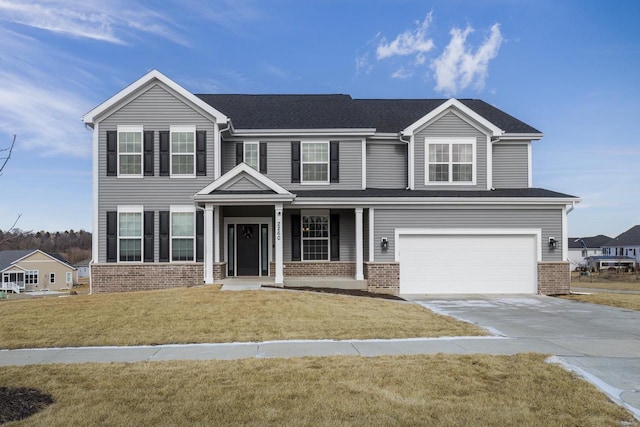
<point x="409" y="159"/>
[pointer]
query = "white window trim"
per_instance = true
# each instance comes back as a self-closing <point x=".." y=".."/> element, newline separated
<point x="182" y="128"/>
<point x="130" y="128"/>
<point x="131" y="209"/>
<point x="315" y="212"/>
<point x="35" y="273"/>
<point x="449" y="141"/>
<point x="69" y="277"/>
<point x="244" y="152"/>
<point x="176" y="209"/>
<point x="302" y="163"/>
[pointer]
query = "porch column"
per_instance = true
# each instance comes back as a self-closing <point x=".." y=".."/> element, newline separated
<point x="208" y="243"/>
<point x="372" y="241"/>
<point x="279" y="277"/>
<point x="359" y="275"/>
<point x="216" y="233"/>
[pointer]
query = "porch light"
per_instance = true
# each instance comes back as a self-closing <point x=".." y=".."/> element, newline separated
<point x="553" y="243"/>
<point x="384" y="244"/>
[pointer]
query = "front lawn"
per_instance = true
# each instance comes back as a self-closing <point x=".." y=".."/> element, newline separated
<point x="474" y="390"/>
<point x="628" y="301"/>
<point x="208" y="315"/>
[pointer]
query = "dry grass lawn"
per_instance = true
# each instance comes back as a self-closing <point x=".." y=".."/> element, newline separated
<point x="409" y="390"/>
<point x="628" y="301"/>
<point x="208" y="315"/>
<point x="606" y="284"/>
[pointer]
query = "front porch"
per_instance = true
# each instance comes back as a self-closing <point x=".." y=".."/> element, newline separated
<point x="333" y="282"/>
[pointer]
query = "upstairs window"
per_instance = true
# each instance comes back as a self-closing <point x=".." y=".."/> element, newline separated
<point x="450" y="160"/>
<point x="130" y="150"/>
<point x="183" y="229"/>
<point x="183" y="151"/>
<point x="315" y="162"/>
<point x="252" y="154"/>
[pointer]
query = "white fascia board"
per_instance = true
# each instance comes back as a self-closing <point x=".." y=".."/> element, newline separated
<point x="305" y="132"/>
<point x="244" y="199"/>
<point x="89" y="118"/>
<point x="239" y="169"/>
<point x="11" y="267"/>
<point x="431" y="201"/>
<point x="453" y="103"/>
<point x="522" y="136"/>
<point x="45" y="254"/>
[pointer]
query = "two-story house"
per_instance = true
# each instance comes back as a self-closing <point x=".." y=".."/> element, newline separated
<point x="411" y="195"/>
<point x="626" y="244"/>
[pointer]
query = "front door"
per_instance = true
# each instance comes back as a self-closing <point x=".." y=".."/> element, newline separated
<point x="248" y="238"/>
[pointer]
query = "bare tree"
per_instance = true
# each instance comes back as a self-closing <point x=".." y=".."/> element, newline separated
<point x="6" y="152"/>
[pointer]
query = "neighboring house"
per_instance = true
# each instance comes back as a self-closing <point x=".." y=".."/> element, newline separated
<point x="583" y="247"/>
<point x="34" y="270"/>
<point x="610" y="262"/>
<point x="83" y="268"/>
<point x="413" y="195"/>
<point x="626" y="244"/>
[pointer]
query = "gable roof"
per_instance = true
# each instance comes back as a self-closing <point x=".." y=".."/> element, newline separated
<point x="153" y="75"/>
<point x="344" y="112"/>
<point x="631" y="237"/>
<point x="7" y="258"/>
<point x="589" y="242"/>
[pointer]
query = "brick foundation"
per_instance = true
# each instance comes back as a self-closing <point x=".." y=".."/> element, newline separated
<point x="382" y="277"/>
<point x="219" y="270"/>
<point x="143" y="277"/>
<point x="554" y="278"/>
<point x="316" y="268"/>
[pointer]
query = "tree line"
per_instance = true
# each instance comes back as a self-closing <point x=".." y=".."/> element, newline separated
<point x="74" y="246"/>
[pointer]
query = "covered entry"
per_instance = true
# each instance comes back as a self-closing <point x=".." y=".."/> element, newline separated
<point x="247" y="246"/>
<point x="441" y="261"/>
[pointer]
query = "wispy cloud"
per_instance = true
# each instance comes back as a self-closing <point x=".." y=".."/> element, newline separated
<point x="113" y="21"/>
<point x="457" y="67"/>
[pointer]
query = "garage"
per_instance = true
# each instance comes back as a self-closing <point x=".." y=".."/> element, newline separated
<point x="468" y="261"/>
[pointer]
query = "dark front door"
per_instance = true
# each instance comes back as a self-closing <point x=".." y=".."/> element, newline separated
<point x="248" y="238"/>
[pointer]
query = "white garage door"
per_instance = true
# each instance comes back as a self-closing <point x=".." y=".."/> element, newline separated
<point x="470" y="264"/>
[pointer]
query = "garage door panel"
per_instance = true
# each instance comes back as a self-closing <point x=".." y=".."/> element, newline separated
<point x="467" y="263"/>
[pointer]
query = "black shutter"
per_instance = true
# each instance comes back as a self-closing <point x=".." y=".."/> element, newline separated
<point x="164" y="152"/>
<point x="295" y="238"/>
<point x="199" y="236"/>
<point x="239" y="153"/>
<point x="201" y="153"/>
<point x="112" y="153"/>
<point x="295" y="161"/>
<point x="112" y="236"/>
<point x="149" y="224"/>
<point x="263" y="157"/>
<point x="334" y="227"/>
<point x="148" y="153"/>
<point x="164" y="236"/>
<point x="335" y="160"/>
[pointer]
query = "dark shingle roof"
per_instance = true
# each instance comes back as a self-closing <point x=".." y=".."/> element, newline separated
<point x="377" y="192"/>
<point x="631" y="237"/>
<point x="589" y="242"/>
<point x="9" y="257"/>
<point x="343" y="112"/>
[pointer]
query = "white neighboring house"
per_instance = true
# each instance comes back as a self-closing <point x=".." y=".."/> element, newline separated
<point x="83" y="268"/>
<point x="626" y="244"/>
<point x="582" y="247"/>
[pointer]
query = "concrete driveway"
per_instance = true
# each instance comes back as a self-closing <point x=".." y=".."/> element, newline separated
<point x="598" y="342"/>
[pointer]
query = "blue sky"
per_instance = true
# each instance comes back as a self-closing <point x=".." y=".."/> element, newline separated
<point x="569" y="68"/>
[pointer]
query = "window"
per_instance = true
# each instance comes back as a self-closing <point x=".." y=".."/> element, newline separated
<point x="130" y="150"/>
<point x="69" y="277"/>
<point x="52" y="278"/>
<point x="31" y="277"/>
<point x="130" y="233"/>
<point x="252" y="154"/>
<point x="450" y="160"/>
<point x="315" y="162"/>
<point x="315" y="237"/>
<point x="182" y="233"/>
<point x="183" y="151"/>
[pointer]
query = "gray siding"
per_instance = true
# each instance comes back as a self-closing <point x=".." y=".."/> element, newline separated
<point x="510" y="166"/>
<point x="450" y="125"/>
<point x="243" y="184"/>
<point x="549" y="220"/>
<point x="279" y="164"/>
<point x="386" y="165"/>
<point x="156" y="109"/>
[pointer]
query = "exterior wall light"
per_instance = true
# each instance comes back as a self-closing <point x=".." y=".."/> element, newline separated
<point x="553" y="243"/>
<point x="384" y="244"/>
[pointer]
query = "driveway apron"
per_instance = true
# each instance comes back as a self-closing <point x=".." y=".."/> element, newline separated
<point x="598" y="342"/>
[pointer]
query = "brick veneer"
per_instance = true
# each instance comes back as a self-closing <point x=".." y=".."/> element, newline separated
<point x="382" y="277"/>
<point x="219" y="270"/>
<point x="143" y="277"/>
<point x="554" y="278"/>
<point x="317" y="268"/>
